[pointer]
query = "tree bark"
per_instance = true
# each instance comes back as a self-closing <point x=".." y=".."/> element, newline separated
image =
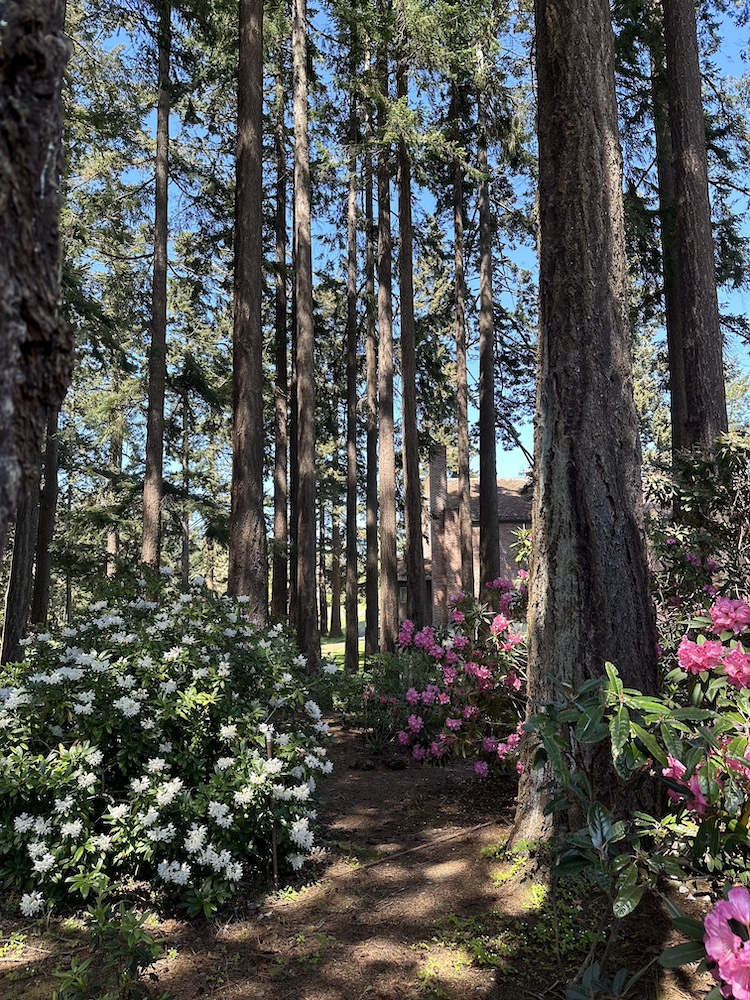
<point x="280" y="585"/>
<point x="21" y="582"/>
<point x="701" y="332"/>
<point x="416" y="584"/>
<point x="46" y="530"/>
<point x="462" y="378"/>
<point x="335" y="628"/>
<point x="589" y="597"/>
<point x="115" y="462"/>
<point x="489" y="533"/>
<point x="669" y="245"/>
<point x="248" y="559"/>
<point x="386" y="439"/>
<point x="157" y="364"/>
<point x="372" y="609"/>
<point x="307" y="625"/>
<point x="185" y="519"/>
<point x="351" y="643"/>
<point x="37" y="349"/>
<point x="322" y="595"/>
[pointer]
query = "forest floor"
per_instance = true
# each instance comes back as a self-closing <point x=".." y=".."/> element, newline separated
<point x="412" y="899"/>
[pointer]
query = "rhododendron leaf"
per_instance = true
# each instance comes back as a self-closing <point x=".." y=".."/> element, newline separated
<point x="589" y="724"/>
<point x="615" y="683"/>
<point x="645" y="704"/>
<point x="691" y="714"/>
<point x="619" y="729"/>
<point x="671" y="741"/>
<point x="599" y="823"/>
<point x="655" y="750"/>
<point x="691" y="928"/>
<point x="626" y="900"/>
<point x="682" y="954"/>
<point x="572" y="863"/>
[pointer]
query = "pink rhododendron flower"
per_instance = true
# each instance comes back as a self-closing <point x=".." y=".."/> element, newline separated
<point x="502" y="750"/>
<point x="725" y="947"/>
<point x="489" y="744"/>
<point x="470" y="712"/>
<point x="451" y="657"/>
<point x="457" y="617"/>
<point x="737" y="667"/>
<point x="710" y="590"/>
<point x="512" y="680"/>
<point x="694" y="658"/>
<point x="460" y="642"/>
<point x="523" y="574"/>
<point x="412" y="696"/>
<point x="419" y="753"/>
<point x="696" y="801"/>
<point x="693" y="559"/>
<point x="436" y="749"/>
<point x="406" y="635"/>
<point x="481" y="768"/>
<point x="519" y="767"/>
<point x="499" y="624"/>
<point x="728" y="615"/>
<point x="513" y="740"/>
<point x="449" y="674"/>
<point x="454" y="724"/>
<point x="430" y="694"/>
<point x="415" y="723"/>
<point x="711" y="565"/>
<point x="403" y="738"/>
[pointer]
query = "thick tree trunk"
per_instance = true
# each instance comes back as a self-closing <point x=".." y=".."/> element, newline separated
<point x="669" y="245"/>
<point x="372" y="610"/>
<point x="462" y="378"/>
<point x="701" y="332"/>
<point x="157" y="362"/>
<point x="489" y="533"/>
<point x="280" y="585"/>
<point x="21" y="582"/>
<point x="416" y="584"/>
<point x="307" y="625"/>
<point x="589" y="597"/>
<point x="46" y="530"/>
<point x="248" y="560"/>
<point x="351" y="644"/>
<point x="37" y="349"/>
<point x="386" y="439"/>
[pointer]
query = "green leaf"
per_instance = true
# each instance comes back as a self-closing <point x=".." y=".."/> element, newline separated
<point x="615" y="682"/>
<point x="682" y="954"/>
<point x="572" y="863"/>
<point x="691" y="928"/>
<point x="599" y="823"/>
<point x="619" y="730"/>
<point x="647" y="738"/>
<point x="626" y="900"/>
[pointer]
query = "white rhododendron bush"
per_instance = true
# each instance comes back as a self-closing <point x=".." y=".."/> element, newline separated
<point x="169" y="744"/>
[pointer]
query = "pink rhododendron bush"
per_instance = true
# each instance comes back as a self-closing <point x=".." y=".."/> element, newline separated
<point x="167" y="744"/>
<point x="460" y="688"/>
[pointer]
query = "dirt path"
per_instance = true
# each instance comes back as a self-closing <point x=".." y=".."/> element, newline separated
<point x="403" y="854"/>
<point x="395" y="909"/>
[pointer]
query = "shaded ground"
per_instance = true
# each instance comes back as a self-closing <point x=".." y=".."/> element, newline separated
<point x="403" y="905"/>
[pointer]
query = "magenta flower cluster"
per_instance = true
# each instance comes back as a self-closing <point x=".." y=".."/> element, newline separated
<point x="727" y="616"/>
<point x="477" y="682"/>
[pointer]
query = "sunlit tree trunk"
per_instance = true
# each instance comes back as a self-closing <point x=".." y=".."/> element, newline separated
<point x="280" y="583"/>
<point x="416" y="585"/>
<point x="372" y="612"/>
<point x="157" y="363"/>
<point x="351" y="645"/>
<point x="21" y="581"/>
<point x="701" y="333"/>
<point x="248" y="560"/>
<point x="307" y="624"/>
<point x="589" y="595"/>
<point x="489" y="534"/>
<point x="386" y="437"/>
<point x="462" y="378"/>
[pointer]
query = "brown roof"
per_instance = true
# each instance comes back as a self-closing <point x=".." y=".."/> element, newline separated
<point x="513" y="499"/>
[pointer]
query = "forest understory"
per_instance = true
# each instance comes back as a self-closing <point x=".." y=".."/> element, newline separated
<point x="413" y="896"/>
